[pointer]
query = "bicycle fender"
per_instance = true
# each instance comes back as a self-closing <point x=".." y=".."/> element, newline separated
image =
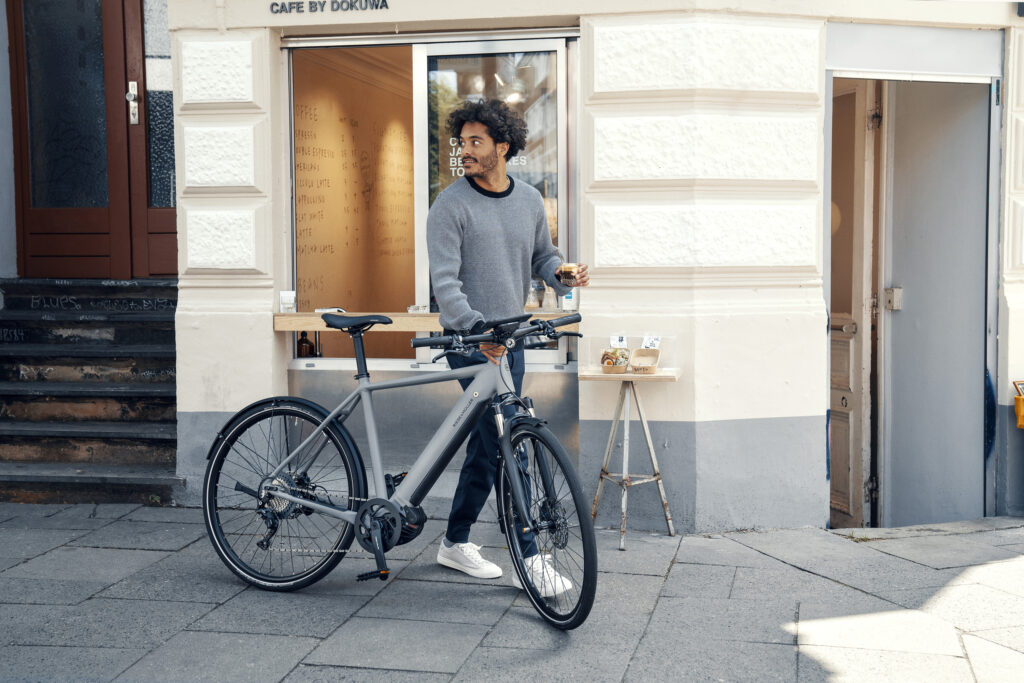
<point x="530" y="420"/>
<point x="259" y="404"/>
<point x="316" y="408"/>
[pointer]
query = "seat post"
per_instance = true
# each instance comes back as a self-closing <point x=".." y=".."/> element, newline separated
<point x="357" y="341"/>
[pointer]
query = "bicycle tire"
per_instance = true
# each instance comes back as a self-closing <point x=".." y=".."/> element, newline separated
<point x="307" y="544"/>
<point x="567" y="543"/>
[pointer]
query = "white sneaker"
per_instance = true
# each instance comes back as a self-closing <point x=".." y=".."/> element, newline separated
<point x="548" y="582"/>
<point x="466" y="558"/>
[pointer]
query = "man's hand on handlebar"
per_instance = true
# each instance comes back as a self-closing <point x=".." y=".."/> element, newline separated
<point x="494" y="352"/>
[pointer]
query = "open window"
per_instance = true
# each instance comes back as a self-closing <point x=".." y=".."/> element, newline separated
<point x="371" y="153"/>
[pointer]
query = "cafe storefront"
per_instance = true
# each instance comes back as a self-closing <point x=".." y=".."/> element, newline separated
<point x="679" y="152"/>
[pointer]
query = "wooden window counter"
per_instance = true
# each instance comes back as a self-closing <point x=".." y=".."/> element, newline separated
<point x="400" y="322"/>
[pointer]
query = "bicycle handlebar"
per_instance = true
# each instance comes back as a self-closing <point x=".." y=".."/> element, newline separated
<point x="473" y="339"/>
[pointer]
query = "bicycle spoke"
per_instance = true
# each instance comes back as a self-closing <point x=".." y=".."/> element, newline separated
<point x="301" y="545"/>
<point x="564" y="543"/>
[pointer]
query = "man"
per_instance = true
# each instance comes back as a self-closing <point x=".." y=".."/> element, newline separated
<point x="487" y="235"/>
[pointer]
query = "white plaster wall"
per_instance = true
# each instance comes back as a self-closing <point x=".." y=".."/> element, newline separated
<point x="415" y="15"/>
<point x="228" y="353"/>
<point x="702" y="222"/>
<point x="8" y="227"/>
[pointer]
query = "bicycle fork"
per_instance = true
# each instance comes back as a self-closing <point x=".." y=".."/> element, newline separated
<point x="515" y="473"/>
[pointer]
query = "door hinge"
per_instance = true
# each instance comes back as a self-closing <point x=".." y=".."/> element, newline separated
<point x="874" y="306"/>
<point x="871" y="489"/>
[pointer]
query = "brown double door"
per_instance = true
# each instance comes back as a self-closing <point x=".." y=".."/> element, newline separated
<point x="88" y="204"/>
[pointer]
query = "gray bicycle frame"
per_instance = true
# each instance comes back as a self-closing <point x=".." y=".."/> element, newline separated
<point x="489" y="379"/>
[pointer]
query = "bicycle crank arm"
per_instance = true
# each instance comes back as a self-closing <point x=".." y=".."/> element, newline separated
<point x="345" y="515"/>
<point x="378" y="554"/>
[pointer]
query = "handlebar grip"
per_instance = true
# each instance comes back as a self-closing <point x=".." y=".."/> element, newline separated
<point x="431" y="341"/>
<point x="566" y="320"/>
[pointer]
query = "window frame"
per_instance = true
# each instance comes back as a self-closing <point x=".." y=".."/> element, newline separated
<point x="421" y="143"/>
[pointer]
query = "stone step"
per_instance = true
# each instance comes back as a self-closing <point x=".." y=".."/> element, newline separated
<point x="89" y="296"/>
<point x="61" y="482"/>
<point x="115" y="370"/>
<point x="98" y="450"/>
<point x="135" y="431"/>
<point x="79" y="351"/>
<point x="76" y="401"/>
<point x="98" y="442"/>
<point x="87" y="389"/>
<point x="83" y="332"/>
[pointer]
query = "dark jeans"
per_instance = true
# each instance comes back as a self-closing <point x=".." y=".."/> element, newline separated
<point x="480" y="468"/>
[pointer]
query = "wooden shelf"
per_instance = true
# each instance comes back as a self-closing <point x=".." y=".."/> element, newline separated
<point x="594" y="374"/>
<point x="401" y="322"/>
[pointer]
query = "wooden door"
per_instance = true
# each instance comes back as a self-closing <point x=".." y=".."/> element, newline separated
<point x="850" y="310"/>
<point x="81" y="164"/>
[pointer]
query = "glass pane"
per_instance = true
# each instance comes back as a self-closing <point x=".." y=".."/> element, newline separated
<point x="527" y="82"/>
<point x="354" y="234"/>
<point x="66" y="110"/>
<point x="159" y="104"/>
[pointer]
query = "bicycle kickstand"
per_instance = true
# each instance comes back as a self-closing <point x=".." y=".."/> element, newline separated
<point x="382" y="570"/>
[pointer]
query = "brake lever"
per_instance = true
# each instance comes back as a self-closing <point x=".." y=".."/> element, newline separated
<point x="464" y="352"/>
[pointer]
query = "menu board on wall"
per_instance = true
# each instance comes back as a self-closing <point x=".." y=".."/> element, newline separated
<point x="354" y="188"/>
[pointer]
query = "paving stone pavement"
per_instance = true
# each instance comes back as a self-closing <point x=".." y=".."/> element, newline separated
<point x="127" y="593"/>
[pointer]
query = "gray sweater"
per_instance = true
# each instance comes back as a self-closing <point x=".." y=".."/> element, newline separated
<point x="483" y="249"/>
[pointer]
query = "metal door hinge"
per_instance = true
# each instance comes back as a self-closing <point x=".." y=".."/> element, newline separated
<point x="874" y="306"/>
<point x="871" y="489"/>
<point x="875" y="120"/>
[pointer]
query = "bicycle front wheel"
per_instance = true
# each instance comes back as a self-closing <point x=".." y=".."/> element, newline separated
<point x="557" y="565"/>
<point x="271" y="542"/>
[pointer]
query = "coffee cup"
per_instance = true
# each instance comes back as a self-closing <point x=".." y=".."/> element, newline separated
<point x="567" y="274"/>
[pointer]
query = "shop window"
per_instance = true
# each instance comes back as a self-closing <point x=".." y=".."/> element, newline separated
<point x="363" y="188"/>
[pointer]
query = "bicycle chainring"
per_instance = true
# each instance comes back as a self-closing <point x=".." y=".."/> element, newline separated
<point x="387" y="515"/>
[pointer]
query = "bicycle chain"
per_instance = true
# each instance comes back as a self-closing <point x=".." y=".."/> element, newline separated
<point x="354" y="549"/>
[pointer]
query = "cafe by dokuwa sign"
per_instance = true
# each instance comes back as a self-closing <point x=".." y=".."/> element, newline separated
<point x="324" y="6"/>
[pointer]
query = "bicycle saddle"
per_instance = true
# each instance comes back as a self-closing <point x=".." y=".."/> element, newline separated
<point x="354" y="323"/>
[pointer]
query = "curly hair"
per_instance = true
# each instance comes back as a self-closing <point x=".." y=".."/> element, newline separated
<point x="503" y="123"/>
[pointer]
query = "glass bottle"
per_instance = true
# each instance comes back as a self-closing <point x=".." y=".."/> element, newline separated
<point x="304" y="347"/>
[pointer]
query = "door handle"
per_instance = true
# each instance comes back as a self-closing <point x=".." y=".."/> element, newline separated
<point x="848" y="328"/>
<point x="133" y="102"/>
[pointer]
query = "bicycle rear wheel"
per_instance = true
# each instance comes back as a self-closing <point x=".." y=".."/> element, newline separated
<point x="557" y="566"/>
<point x="271" y="542"/>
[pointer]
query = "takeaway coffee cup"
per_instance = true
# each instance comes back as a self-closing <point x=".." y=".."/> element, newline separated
<point x="568" y="274"/>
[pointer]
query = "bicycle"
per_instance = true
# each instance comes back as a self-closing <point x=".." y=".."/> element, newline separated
<point x="285" y="492"/>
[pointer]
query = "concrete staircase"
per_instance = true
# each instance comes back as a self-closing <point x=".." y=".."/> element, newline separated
<point x="87" y="391"/>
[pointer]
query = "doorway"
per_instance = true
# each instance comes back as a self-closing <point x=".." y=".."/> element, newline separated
<point x="910" y="189"/>
<point x="94" y="138"/>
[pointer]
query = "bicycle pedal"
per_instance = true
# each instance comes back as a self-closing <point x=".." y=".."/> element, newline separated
<point x="381" y="574"/>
